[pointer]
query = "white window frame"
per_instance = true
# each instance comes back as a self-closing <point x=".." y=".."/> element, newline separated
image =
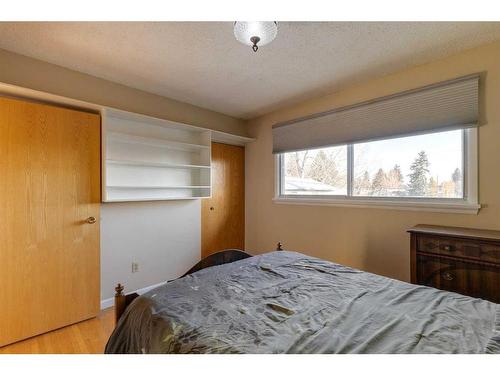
<point x="469" y="204"/>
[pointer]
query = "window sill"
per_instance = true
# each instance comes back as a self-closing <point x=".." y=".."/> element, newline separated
<point x="406" y="205"/>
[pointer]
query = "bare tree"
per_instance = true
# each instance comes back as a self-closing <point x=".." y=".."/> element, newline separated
<point x="394" y="178"/>
<point x="296" y="163"/>
<point x="324" y="165"/>
<point x="324" y="168"/>
<point x="433" y="187"/>
<point x="379" y="183"/>
<point x="362" y="184"/>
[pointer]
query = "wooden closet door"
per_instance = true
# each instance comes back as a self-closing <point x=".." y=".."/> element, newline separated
<point x="49" y="195"/>
<point x="223" y="215"/>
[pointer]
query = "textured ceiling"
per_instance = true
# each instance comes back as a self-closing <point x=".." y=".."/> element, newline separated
<point x="201" y="62"/>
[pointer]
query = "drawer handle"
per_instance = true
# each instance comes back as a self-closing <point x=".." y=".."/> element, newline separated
<point x="448" y="248"/>
<point x="448" y="276"/>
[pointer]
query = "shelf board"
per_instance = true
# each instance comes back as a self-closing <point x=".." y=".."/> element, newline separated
<point x="150" y="120"/>
<point x="156" y="187"/>
<point x="136" y="163"/>
<point x="154" y="199"/>
<point x="154" y="142"/>
<point x="230" y="139"/>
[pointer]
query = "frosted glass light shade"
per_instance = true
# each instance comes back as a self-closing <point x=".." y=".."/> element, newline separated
<point x="247" y="32"/>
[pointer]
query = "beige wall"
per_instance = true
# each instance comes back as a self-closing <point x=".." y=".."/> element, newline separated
<point x="35" y="74"/>
<point x="163" y="237"/>
<point x="371" y="239"/>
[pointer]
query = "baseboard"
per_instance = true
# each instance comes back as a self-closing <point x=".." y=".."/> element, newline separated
<point x="110" y="302"/>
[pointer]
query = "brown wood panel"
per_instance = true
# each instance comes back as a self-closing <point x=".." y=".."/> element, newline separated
<point x="461" y="260"/>
<point x="223" y="215"/>
<point x="481" y="234"/>
<point x="50" y="185"/>
<point x="463" y="248"/>
<point x="473" y="279"/>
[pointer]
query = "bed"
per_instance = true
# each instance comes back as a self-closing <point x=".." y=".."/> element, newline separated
<point x="288" y="302"/>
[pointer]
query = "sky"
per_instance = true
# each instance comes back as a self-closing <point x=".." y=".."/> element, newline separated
<point x="444" y="151"/>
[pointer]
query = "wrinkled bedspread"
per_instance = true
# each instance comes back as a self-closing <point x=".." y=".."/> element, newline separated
<point x="286" y="302"/>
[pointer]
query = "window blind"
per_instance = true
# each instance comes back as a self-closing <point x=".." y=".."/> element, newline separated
<point x="446" y="105"/>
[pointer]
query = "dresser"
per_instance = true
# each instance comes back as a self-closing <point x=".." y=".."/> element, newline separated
<point x="461" y="260"/>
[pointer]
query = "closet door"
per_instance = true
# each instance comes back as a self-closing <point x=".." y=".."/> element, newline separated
<point x="223" y="215"/>
<point x="49" y="224"/>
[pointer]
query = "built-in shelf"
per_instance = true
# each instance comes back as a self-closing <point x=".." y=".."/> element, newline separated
<point x="148" y="159"/>
<point x="230" y="139"/>
<point x="151" y="199"/>
<point x="139" y="163"/>
<point x="156" y="187"/>
<point x="154" y="142"/>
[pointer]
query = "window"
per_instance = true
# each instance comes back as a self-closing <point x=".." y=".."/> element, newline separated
<point x="428" y="165"/>
<point x="316" y="172"/>
<point x="434" y="170"/>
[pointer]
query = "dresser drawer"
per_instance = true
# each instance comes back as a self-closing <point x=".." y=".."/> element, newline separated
<point x="459" y="248"/>
<point x="468" y="278"/>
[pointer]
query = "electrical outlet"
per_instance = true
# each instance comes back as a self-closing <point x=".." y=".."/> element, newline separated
<point x="135" y="267"/>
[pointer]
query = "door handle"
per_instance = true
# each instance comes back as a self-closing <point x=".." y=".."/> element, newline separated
<point x="448" y="276"/>
<point x="91" y="220"/>
<point x="212" y="208"/>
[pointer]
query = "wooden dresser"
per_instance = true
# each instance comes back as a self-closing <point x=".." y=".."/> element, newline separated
<point x="461" y="260"/>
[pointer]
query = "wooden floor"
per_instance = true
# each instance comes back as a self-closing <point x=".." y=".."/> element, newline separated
<point x="88" y="337"/>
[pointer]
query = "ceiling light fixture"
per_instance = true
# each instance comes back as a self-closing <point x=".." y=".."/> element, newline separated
<point x="255" y="34"/>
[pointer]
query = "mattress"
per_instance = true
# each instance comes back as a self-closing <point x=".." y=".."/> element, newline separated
<point x="287" y="302"/>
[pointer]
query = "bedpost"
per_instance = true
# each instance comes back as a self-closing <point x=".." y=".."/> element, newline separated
<point x="119" y="302"/>
<point x="279" y="246"/>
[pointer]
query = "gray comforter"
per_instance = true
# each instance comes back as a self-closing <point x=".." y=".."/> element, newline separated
<point x="286" y="302"/>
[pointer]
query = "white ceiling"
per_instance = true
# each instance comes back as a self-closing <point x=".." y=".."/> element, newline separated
<point x="201" y="62"/>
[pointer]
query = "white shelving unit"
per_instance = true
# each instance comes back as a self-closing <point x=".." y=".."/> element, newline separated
<point x="147" y="159"/>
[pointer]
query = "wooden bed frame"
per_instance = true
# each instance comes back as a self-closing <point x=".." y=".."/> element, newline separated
<point x="222" y="257"/>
